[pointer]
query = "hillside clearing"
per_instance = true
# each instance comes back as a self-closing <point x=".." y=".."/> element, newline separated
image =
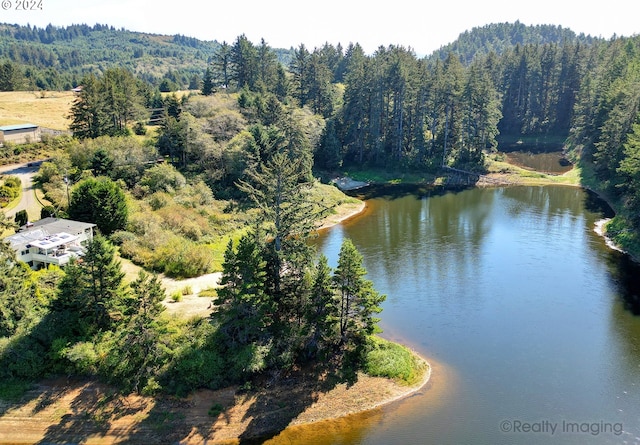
<point x="44" y="108"/>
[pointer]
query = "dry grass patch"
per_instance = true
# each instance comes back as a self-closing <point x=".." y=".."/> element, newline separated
<point x="44" y="108"/>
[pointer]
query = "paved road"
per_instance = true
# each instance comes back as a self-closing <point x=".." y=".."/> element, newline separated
<point x="28" y="202"/>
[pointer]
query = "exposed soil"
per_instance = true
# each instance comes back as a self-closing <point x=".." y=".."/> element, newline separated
<point x="87" y="412"/>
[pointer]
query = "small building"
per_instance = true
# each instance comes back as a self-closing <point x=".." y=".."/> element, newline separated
<point x="19" y="134"/>
<point x="51" y="241"/>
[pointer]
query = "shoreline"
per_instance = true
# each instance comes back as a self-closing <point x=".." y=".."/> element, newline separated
<point x="401" y="392"/>
<point x="599" y="228"/>
<point x="344" y="213"/>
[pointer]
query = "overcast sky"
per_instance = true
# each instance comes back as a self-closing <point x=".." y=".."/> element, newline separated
<point x="424" y="25"/>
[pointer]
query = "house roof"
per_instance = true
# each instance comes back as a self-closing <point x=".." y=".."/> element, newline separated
<point x="53" y="241"/>
<point x="59" y="225"/>
<point x="47" y="228"/>
<point x="24" y="238"/>
<point x="18" y="127"/>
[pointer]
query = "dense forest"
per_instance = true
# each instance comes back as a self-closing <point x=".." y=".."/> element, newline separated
<point x="56" y="58"/>
<point x="243" y="151"/>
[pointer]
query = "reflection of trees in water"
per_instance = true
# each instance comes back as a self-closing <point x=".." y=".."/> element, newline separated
<point x="422" y="233"/>
<point x="437" y="233"/>
<point x="625" y="313"/>
<point x="626" y="275"/>
<point x="626" y="328"/>
<point x="550" y="200"/>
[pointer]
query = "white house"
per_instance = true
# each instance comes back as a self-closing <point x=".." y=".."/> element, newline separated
<point x="51" y="241"/>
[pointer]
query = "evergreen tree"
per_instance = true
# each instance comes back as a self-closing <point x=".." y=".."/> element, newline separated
<point x="10" y="76"/>
<point x="207" y="83"/>
<point x="244" y="63"/>
<point x="356" y="102"/>
<point x="88" y="112"/>
<point x="267" y="67"/>
<point x="102" y="162"/>
<point x="22" y="217"/>
<point x="359" y="301"/>
<point x="328" y="155"/>
<point x="322" y="314"/>
<point x="244" y="309"/>
<point x="135" y="365"/>
<point x="18" y="304"/>
<point x="221" y="64"/>
<point x="300" y="70"/>
<point x="92" y="291"/>
<point x="278" y="188"/>
<point x="629" y="170"/>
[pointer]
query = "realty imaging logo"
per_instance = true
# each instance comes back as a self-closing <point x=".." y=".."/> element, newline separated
<point x="552" y="428"/>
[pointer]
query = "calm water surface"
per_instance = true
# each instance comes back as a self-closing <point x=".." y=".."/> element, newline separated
<point x="552" y="162"/>
<point x="518" y="305"/>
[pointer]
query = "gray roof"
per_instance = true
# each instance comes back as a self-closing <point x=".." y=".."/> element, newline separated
<point x="24" y="238"/>
<point x="44" y="228"/>
<point x="58" y="225"/>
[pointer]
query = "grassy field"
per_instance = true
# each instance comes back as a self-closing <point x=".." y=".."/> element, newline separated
<point x="44" y="108"/>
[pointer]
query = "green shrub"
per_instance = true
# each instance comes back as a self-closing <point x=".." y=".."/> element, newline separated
<point x="176" y="297"/>
<point x="152" y="387"/>
<point x="21" y="217"/>
<point x="84" y="357"/>
<point x="13" y="182"/>
<point x="209" y="292"/>
<point x="139" y="129"/>
<point x="197" y="367"/>
<point x="216" y="410"/>
<point x="8" y="193"/>
<point x="11" y="390"/>
<point x="391" y="360"/>
<point x="47" y="211"/>
<point x="182" y="259"/>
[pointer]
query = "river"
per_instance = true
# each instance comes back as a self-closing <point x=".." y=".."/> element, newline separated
<point x="524" y="313"/>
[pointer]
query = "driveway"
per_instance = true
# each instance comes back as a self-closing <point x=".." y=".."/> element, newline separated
<point x="28" y="201"/>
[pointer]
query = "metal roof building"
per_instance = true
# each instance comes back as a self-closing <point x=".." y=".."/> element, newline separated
<point x="19" y="134"/>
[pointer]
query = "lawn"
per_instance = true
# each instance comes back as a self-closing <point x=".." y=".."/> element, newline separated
<point x="44" y="108"/>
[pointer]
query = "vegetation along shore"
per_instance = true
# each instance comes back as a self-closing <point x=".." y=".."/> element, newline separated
<point x="205" y="159"/>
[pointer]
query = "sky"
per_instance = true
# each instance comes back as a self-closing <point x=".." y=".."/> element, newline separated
<point x="423" y="25"/>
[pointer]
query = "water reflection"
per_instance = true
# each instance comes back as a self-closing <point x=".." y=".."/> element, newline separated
<point x="550" y="162"/>
<point x="512" y="289"/>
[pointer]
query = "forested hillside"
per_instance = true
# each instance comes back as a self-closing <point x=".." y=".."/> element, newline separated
<point x="56" y="58"/>
<point x="500" y="37"/>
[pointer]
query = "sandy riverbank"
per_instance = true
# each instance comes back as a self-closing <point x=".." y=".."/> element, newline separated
<point x="91" y="413"/>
